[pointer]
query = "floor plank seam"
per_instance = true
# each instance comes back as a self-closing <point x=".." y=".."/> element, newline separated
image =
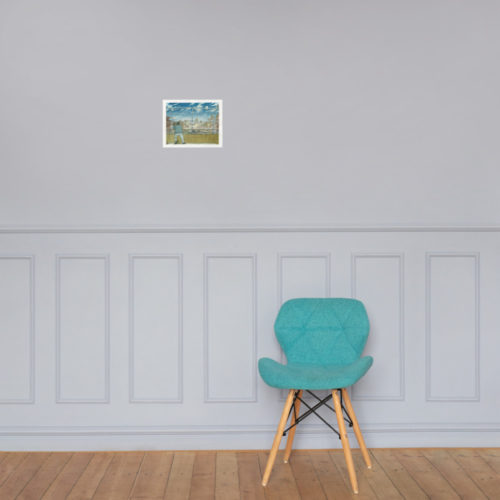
<point x="164" y="494"/>
<point x="32" y="476"/>
<point x="79" y="476"/>
<point x="56" y="476"/>
<point x="136" y="476"/>
<point x="13" y="470"/>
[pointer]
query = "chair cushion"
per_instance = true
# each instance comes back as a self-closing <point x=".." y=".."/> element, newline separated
<point x="312" y="377"/>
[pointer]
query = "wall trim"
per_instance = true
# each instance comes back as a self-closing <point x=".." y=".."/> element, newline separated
<point x="401" y="285"/>
<point x="31" y="392"/>
<point x="180" y="357"/>
<point x="84" y="256"/>
<point x="416" y="427"/>
<point x="242" y="228"/>
<point x="206" y="382"/>
<point x="428" y="333"/>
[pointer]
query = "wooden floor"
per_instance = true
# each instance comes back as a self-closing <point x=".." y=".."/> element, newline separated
<point x="435" y="473"/>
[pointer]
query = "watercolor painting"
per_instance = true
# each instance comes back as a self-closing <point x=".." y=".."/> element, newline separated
<point x="192" y="123"/>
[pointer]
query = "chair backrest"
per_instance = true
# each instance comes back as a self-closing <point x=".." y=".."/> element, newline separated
<point x="322" y="331"/>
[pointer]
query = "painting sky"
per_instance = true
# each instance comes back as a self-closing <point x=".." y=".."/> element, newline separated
<point x="188" y="110"/>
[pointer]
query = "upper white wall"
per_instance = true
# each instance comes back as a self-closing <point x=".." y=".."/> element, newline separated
<point x="334" y="112"/>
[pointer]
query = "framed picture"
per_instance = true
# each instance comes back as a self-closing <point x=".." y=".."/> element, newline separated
<point x="192" y="123"/>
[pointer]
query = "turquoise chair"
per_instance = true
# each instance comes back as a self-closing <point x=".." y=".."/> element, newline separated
<point x="323" y="340"/>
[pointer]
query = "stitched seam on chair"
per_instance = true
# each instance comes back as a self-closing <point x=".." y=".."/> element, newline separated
<point x="343" y="329"/>
<point x="303" y="329"/>
<point x="314" y="311"/>
<point x="339" y="322"/>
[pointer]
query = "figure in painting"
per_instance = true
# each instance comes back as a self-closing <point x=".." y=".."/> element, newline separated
<point x="178" y="132"/>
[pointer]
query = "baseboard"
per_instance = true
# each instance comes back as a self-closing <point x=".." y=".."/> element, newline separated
<point x="239" y="437"/>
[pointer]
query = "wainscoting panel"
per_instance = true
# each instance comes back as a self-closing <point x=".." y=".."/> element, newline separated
<point x="16" y="329"/>
<point x="230" y="328"/>
<point x="82" y="328"/>
<point x="155" y="328"/>
<point x="452" y="353"/>
<point x="303" y="275"/>
<point x="377" y="280"/>
<point x="150" y="338"/>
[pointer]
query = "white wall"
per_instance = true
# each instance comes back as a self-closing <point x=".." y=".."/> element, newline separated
<point x="130" y="274"/>
<point x="335" y="112"/>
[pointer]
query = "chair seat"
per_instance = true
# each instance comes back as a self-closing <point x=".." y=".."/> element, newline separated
<point x="312" y="377"/>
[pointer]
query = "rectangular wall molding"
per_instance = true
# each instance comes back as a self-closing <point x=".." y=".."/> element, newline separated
<point x="452" y="327"/>
<point x="82" y="328"/>
<point x="155" y="328"/>
<point x="377" y="279"/>
<point x="17" y="329"/>
<point x="230" y="328"/>
<point x="312" y="275"/>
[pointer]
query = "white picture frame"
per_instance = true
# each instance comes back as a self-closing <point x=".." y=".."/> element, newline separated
<point x="192" y="123"/>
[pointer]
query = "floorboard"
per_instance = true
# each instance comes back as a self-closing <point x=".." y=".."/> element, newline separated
<point x="227" y="485"/>
<point x="365" y="490"/>
<point x="403" y="481"/>
<point x="413" y="474"/>
<point x="428" y="477"/>
<point x="282" y="483"/>
<point x="120" y="476"/>
<point x="307" y="481"/>
<point x="250" y="477"/>
<point x="87" y="483"/>
<point x="67" y="478"/>
<point x="44" y="477"/>
<point x="23" y="473"/>
<point x="478" y="470"/>
<point x="9" y="464"/>
<point x="151" y="480"/>
<point x="181" y="473"/>
<point x="492" y="457"/>
<point x="329" y="475"/>
<point x="455" y="474"/>
<point x="376" y="477"/>
<point x="203" y="479"/>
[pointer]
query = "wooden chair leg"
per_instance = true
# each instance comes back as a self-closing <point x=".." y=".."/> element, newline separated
<point x="277" y="437"/>
<point x="291" y="433"/>
<point x="357" y="430"/>
<point x="345" y="441"/>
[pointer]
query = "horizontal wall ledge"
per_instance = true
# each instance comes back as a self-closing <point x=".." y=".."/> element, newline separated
<point x="197" y="430"/>
<point x="129" y="229"/>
